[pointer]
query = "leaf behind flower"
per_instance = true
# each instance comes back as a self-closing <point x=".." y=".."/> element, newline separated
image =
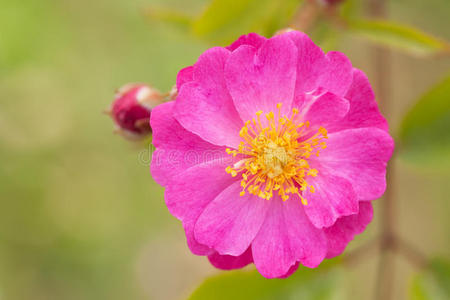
<point x="432" y="283"/>
<point x="399" y="36"/>
<point x="424" y="131"/>
<point x="303" y="284"/>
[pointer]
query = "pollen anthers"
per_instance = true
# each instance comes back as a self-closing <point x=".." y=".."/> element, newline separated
<point x="275" y="155"/>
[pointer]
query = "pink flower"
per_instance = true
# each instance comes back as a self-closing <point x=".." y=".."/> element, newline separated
<point x="131" y="109"/>
<point x="271" y="153"/>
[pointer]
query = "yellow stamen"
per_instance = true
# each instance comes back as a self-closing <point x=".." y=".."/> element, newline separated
<point x="276" y="156"/>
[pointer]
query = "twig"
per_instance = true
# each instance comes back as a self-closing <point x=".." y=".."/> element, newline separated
<point x="414" y="256"/>
<point x="306" y="16"/>
<point x="356" y="255"/>
<point x="385" y="274"/>
<point x="381" y="58"/>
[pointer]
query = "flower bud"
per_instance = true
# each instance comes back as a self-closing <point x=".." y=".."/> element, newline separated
<point x="331" y="2"/>
<point x="173" y="93"/>
<point x="284" y="30"/>
<point x="131" y="110"/>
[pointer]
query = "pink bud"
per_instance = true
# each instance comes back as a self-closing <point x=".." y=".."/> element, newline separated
<point x="173" y="93"/>
<point x="284" y="30"/>
<point x="131" y="109"/>
<point x="331" y="2"/>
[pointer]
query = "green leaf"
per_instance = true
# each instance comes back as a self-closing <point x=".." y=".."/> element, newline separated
<point x="417" y="290"/>
<point x="432" y="283"/>
<point x="440" y="269"/>
<point x="424" y="132"/>
<point x="399" y="36"/>
<point x="224" y="20"/>
<point x="303" y="284"/>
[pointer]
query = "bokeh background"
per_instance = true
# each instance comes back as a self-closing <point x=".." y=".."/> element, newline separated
<point x="81" y="217"/>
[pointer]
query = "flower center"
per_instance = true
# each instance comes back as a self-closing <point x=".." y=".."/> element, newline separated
<point x="275" y="155"/>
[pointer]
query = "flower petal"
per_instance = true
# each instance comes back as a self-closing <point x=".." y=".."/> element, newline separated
<point x="286" y="237"/>
<point x="333" y="71"/>
<point x="345" y="229"/>
<point x="251" y="39"/>
<point x="290" y="271"/>
<point x="204" y="105"/>
<point x="310" y="63"/>
<point x="307" y="242"/>
<point x="191" y="191"/>
<point x="364" y="110"/>
<point x="229" y="262"/>
<point x="333" y="198"/>
<point x="258" y="79"/>
<point x="184" y="75"/>
<point x="326" y="109"/>
<point x="195" y="247"/>
<point x="271" y="248"/>
<point x="176" y="148"/>
<point x="338" y="74"/>
<point x="230" y="222"/>
<point x="360" y="156"/>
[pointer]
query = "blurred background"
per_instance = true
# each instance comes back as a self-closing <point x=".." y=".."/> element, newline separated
<point x="81" y="217"/>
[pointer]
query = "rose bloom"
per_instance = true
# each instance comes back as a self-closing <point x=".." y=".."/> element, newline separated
<point x="271" y="153"/>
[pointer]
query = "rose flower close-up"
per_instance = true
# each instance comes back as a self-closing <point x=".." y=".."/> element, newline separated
<point x="271" y="153"/>
<point x="224" y="149"/>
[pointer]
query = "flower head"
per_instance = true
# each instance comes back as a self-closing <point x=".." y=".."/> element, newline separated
<point x="131" y="109"/>
<point x="271" y="153"/>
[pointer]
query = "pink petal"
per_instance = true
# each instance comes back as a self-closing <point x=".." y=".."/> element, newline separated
<point x="251" y="39"/>
<point x="286" y="237"/>
<point x="271" y="248"/>
<point x="364" y="110"/>
<point x="338" y="74"/>
<point x="258" y="79"/>
<point x="311" y="63"/>
<point x="229" y="262"/>
<point x="360" y="156"/>
<point x="176" y="148"/>
<point x="333" y="71"/>
<point x="345" y="229"/>
<point x="307" y="242"/>
<point x="195" y="247"/>
<point x="184" y="75"/>
<point x="230" y="222"/>
<point x="333" y="198"/>
<point x="204" y="105"/>
<point x="291" y="271"/>
<point x="326" y="109"/>
<point x="189" y="193"/>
